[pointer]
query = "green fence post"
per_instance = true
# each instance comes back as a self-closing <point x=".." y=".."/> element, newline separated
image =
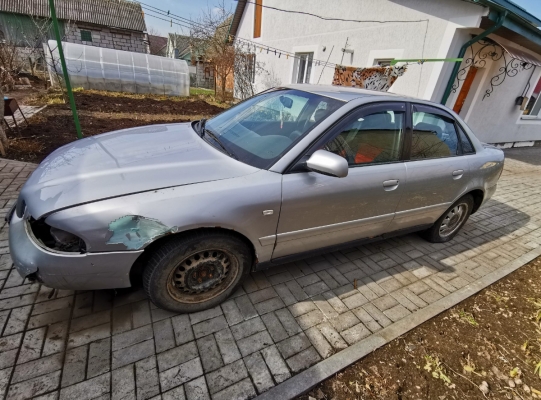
<point x="65" y="70"/>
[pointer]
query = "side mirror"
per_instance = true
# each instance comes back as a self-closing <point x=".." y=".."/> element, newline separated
<point x="327" y="163"/>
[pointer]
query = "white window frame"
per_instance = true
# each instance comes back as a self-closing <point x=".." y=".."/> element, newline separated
<point x="293" y="65"/>
<point x="309" y="65"/>
<point x="536" y="118"/>
<point x="388" y="61"/>
<point x="389" y="54"/>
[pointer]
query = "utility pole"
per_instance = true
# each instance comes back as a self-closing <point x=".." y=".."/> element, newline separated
<point x="65" y="70"/>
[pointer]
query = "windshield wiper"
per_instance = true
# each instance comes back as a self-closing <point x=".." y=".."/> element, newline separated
<point x="217" y="140"/>
<point x="201" y="126"/>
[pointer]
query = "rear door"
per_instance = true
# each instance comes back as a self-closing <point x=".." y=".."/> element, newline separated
<point x="320" y="211"/>
<point x="437" y="171"/>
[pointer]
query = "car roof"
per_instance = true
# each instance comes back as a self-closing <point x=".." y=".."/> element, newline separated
<point x="341" y="92"/>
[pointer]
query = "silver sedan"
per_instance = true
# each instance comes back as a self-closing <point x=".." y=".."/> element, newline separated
<point x="189" y="209"/>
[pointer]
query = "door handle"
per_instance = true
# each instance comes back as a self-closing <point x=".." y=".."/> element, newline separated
<point x="458" y="173"/>
<point x="390" y="184"/>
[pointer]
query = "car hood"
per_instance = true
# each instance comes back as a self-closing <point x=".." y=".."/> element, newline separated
<point x="125" y="162"/>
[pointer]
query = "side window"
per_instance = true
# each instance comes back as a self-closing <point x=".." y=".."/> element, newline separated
<point x="369" y="138"/>
<point x="467" y="146"/>
<point x="434" y="136"/>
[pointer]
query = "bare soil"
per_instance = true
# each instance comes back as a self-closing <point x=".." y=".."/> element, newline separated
<point x="99" y="112"/>
<point x="492" y="337"/>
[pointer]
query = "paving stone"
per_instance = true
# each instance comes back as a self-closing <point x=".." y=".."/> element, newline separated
<point x="303" y="360"/>
<point x="296" y="290"/>
<point x="123" y="383"/>
<point x="180" y="374"/>
<point x="247" y="328"/>
<point x="232" y="312"/>
<point x="302" y="308"/>
<point x="355" y="333"/>
<point x="99" y="355"/>
<point x="17" y="320"/>
<point x="306" y="321"/>
<point x="195" y="390"/>
<point x="293" y="345"/>
<point x="241" y="390"/>
<point x="288" y="322"/>
<point x="89" y="335"/>
<point x="32" y="344"/>
<point x="55" y="339"/>
<point x="132" y="337"/>
<point x="367" y="319"/>
<point x="285" y="294"/>
<point x="210" y="355"/>
<point x="430" y="296"/>
<point x="36" y="368"/>
<point x="164" y="337"/>
<point x="146" y="374"/>
<point x="308" y="280"/>
<point x="344" y="321"/>
<point x="325" y="306"/>
<point x="254" y="343"/>
<point x="378" y="316"/>
<point x="332" y="336"/>
<point x="246" y="307"/>
<point x="276" y="364"/>
<point x="34" y="387"/>
<point x="182" y="329"/>
<point x="262" y="295"/>
<point x="274" y="327"/>
<point x="259" y="372"/>
<point x="178" y="355"/>
<point x="227" y="345"/>
<point x="204" y="315"/>
<point x="75" y="365"/>
<point x="88" y="389"/>
<point x="209" y="326"/>
<point x="49" y="318"/>
<point x="174" y="394"/>
<point x="269" y="305"/>
<point x="355" y="301"/>
<point x="316" y="288"/>
<point x="319" y="342"/>
<point x="226" y="376"/>
<point x="132" y="354"/>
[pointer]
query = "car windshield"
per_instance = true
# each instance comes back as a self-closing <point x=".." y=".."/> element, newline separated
<point x="263" y="128"/>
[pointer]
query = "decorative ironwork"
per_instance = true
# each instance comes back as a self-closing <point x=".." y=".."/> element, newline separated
<point x="490" y="50"/>
<point x="510" y="69"/>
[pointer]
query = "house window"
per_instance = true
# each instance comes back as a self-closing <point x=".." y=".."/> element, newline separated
<point x="86" y="36"/>
<point x="302" y="67"/>
<point x="534" y="104"/>
<point x="257" y="18"/>
<point x="383" y="62"/>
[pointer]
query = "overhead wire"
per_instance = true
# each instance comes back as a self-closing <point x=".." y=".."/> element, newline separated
<point x="190" y="24"/>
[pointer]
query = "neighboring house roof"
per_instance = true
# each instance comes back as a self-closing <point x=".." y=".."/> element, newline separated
<point x="179" y="42"/>
<point x="157" y="44"/>
<point x="112" y="13"/>
<point x="237" y="16"/>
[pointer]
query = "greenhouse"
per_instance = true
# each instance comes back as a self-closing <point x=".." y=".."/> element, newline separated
<point x="120" y="71"/>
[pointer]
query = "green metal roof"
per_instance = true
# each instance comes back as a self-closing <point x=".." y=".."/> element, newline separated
<point x="517" y="11"/>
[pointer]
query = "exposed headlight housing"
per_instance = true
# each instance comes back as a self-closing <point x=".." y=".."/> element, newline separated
<point x="56" y="239"/>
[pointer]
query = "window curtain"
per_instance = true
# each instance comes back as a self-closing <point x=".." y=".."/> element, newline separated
<point x="373" y="78"/>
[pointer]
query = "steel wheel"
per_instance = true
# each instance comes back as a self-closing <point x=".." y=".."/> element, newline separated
<point x="202" y="276"/>
<point x="453" y="220"/>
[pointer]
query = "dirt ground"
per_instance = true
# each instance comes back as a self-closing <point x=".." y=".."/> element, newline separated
<point x="99" y="112"/>
<point x="487" y="347"/>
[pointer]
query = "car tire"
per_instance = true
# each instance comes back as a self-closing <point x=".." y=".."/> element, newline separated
<point x="450" y="223"/>
<point x="189" y="273"/>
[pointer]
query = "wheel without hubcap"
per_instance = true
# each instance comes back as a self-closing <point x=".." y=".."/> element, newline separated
<point x="448" y="225"/>
<point x="193" y="272"/>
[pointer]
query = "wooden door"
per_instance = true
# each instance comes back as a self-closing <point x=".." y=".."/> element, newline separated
<point x="466" y="86"/>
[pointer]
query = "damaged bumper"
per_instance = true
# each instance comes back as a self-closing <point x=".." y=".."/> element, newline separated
<point x="61" y="270"/>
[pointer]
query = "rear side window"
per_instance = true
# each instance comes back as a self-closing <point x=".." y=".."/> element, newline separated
<point x="434" y="135"/>
<point x="467" y="146"/>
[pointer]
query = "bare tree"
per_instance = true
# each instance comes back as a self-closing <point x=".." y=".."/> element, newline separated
<point x="234" y="64"/>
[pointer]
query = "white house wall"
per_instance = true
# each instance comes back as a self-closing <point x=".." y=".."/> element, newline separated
<point x="440" y="19"/>
<point x="496" y="119"/>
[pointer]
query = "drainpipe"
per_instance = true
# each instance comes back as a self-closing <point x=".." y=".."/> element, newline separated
<point x="462" y="52"/>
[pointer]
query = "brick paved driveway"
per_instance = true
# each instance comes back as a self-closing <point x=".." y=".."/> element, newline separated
<point x="107" y="344"/>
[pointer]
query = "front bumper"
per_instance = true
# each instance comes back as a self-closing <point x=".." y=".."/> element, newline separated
<point x="62" y="270"/>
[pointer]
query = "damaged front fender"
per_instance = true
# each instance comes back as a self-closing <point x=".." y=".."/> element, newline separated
<point x="136" y="231"/>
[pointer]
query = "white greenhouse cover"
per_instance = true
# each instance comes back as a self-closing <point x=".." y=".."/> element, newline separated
<point x="120" y="71"/>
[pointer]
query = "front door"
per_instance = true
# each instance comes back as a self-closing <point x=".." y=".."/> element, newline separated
<point x="320" y="211"/>
<point x="437" y="172"/>
<point x="466" y="86"/>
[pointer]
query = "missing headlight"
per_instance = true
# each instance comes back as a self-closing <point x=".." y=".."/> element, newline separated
<point x="57" y="239"/>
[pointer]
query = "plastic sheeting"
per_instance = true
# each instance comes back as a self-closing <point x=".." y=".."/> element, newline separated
<point x="119" y="71"/>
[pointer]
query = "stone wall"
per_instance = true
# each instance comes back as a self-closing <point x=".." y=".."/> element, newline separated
<point x="111" y="38"/>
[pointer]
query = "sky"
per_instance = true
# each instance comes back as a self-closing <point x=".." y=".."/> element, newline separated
<point x="192" y="9"/>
